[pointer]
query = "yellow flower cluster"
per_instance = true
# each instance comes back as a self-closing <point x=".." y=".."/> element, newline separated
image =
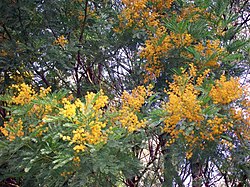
<point x="69" y="109"/>
<point x="136" y="99"/>
<point x="88" y="134"/>
<point x="12" y="129"/>
<point x="185" y="117"/>
<point x="158" y="46"/>
<point x="241" y="116"/>
<point x="93" y="102"/>
<point x="3" y="53"/>
<point x="130" y="121"/>
<point x="39" y="111"/>
<point x="139" y="13"/>
<point x="154" y="50"/>
<point x="39" y="129"/>
<point x="25" y="94"/>
<point x="200" y="78"/>
<point x="148" y="14"/>
<point x="181" y="40"/>
<point x="211" y="52"/>
<point x="132" y="13"/>
<point x="96" y="101"/>
<point x="44" y="92"/>
<point x="183" y="106"/>
<point x="131" y="104"/>
<point x="227" y="143"/>
<point x="189" y="154"/>
<point x="183" y="103"/>
<point x="87" y="116"/>
<point x="191" y="13"/>
<point x="225" y="92"/>
<point x="214" y="128"/>
<point x="61" y="40"/>
<point x="160" y="4"/>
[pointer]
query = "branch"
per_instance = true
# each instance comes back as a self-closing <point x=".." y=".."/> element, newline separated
<point x="84" y="21"/>
<point x="7" y="32"/>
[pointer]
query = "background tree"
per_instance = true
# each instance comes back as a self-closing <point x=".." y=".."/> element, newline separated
<point x="192" y="131"/>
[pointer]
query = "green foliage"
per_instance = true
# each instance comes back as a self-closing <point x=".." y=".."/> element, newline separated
<point x="76" y="47"/>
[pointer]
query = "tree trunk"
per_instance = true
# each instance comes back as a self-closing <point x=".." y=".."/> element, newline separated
<point x="196" y="169"/>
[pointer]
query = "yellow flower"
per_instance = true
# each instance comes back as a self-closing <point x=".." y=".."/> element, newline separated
<point x="68" y="110"/>
<point x="25" y="94"/>
<point x="189" y="154"/>
<point x="101" y="101"/>
<point x="3" y="53"/>
<point x="61" y="40"/>
<point x="225" y="92"/>
<point x="131" y="104"/>
<point x="44" y="92"/>
<point x="79" y="148"/>
<point x="12" y="129"/>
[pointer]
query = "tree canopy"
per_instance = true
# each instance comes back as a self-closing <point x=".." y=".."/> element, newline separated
<point x="124" y="93"/>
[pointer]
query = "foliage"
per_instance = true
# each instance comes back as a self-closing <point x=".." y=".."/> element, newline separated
<point x="124" y="93"/>
<point x="61" y="133"/>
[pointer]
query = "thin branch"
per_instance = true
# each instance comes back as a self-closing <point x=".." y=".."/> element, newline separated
<point x="84" y="21"/>
<point x="7" y="32"/>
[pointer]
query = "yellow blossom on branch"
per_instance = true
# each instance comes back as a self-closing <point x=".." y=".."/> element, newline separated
<point x="69" y="109"/>
<point x="89" y="129"/>
<point x="101" y="101"/>
<point x="12" y="129"/>
<point x="26" y="98"/>
<point x="183" y="101"/>
<point x="61" y="40"/>
<point x="91" y="133"/>
<point x="25" y="94"/>
<point x="188" y="117"/>
<point x="225" y="92"/>
<point x="130" y="106"/>
<point x="3" y="53"/>
<point x="43" y="92"/>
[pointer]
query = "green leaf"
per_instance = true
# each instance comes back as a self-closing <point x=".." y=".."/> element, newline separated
<point x="49" y="119"/>
<point x="70" y="125"/>
<point x="236" y="45"/>
<point x="159" y="42"/>
<point x="211" y="110"/>
<point x="26" y="170"/>
<point x="232" y="57"/>
<point x="61" y="162"/>
<point x="226" y="138"/>
<point x="193" y="52"/>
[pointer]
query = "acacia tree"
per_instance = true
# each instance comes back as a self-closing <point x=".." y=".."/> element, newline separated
<point x="34" y="36"/>
<point x="187" y="126"/>
<point x="180" y="34"/>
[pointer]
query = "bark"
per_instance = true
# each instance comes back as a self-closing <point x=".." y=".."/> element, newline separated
<point x="196" y="169"/>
